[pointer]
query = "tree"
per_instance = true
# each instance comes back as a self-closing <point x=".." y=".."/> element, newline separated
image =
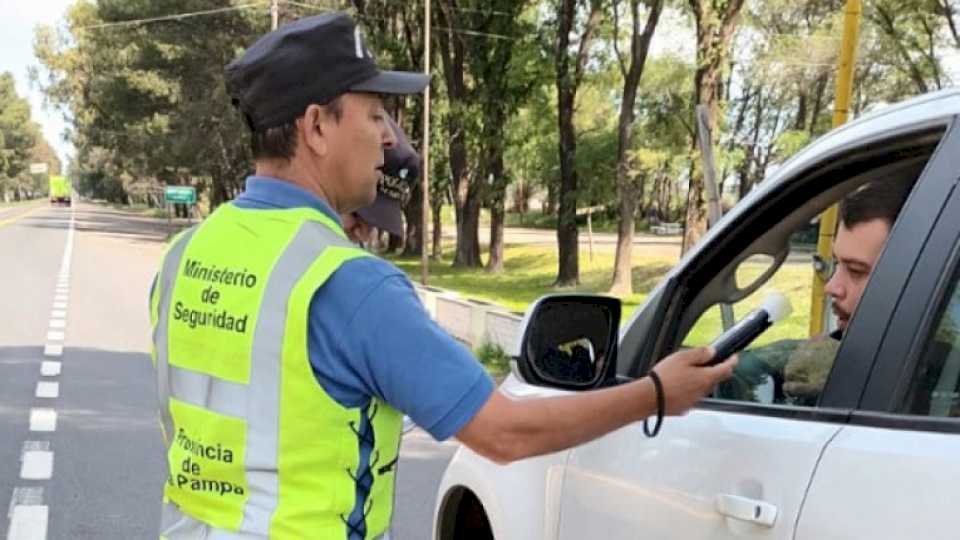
<point x="631" y="69"/>
<point x="716" y="21"/>
<point x="153" y="95"/>
<point x="570" y="62"/>
<point x="466" y="193"/>
<point x="18" y="136"/>
<point x="506" y="67"/>
<point x="914" y="35"/>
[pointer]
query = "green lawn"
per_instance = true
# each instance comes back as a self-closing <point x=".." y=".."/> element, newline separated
<point x="530" y="271"/>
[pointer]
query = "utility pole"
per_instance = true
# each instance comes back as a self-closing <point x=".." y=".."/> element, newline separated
<point x="425" y="152"/>
<point x="274" y="14"/>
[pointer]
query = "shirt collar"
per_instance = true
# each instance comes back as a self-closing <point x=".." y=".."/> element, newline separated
<point x="276" y="193"/>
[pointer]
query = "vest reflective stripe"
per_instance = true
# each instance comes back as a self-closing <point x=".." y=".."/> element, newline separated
<point x="171" y="263"/>
<point x="315" y="251"/>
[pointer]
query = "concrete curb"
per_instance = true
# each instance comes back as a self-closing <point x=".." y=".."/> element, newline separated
<point x="470" y="321"/>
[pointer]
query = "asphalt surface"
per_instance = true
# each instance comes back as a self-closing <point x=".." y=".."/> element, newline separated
<point x="106" y="450"/>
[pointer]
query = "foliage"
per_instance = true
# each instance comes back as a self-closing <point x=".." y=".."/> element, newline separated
<point x="494" y="358"/>
<point x="19" y="140"/>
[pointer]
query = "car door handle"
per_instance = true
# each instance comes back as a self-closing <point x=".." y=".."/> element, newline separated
<point x="744" y="509"/>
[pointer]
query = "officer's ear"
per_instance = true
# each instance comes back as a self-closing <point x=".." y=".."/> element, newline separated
<point x="316" y="128"/>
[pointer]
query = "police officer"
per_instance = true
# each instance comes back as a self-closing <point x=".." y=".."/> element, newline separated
<point x="286" y="355"/>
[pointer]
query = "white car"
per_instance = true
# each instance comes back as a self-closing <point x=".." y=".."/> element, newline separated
<point x="875" y="455"/>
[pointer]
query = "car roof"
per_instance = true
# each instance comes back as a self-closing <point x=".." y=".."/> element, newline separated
<point x="914" y="114"/>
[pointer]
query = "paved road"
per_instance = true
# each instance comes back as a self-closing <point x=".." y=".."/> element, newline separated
<point x="85" y="461"/>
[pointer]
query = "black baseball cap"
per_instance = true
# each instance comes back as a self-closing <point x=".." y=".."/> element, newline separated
<point x="401" y="168"/>
<point x="311" y="60"/>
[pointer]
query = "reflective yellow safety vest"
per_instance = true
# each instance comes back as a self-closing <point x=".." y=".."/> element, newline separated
<point x="256" y="448"/>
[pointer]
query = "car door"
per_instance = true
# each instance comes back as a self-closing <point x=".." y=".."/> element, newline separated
<point x="893" y="471"/>
<point x="739" y="465"/>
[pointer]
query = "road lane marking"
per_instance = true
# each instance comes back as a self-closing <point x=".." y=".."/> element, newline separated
<point x="50" y="368"/>
<point x="48" y="390"/>
<point x="10" y="221"/>
<point x="53" y="350"/>
<point x="60" y="305"/>
<point x="42" y="419"/>
<point x="58" y="323"/>
<point x="60" y="298"/>
<point x="28" y="523"/>
<point x="36" y="461"/>
<point x="28" y="515"/>
<point x="54" y="335"/>
<point x="58" y="314"/>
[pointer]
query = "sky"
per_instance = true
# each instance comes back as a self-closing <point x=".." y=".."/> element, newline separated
<point x="20" y="17"/>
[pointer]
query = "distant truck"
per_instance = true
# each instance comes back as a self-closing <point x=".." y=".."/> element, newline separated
<point x="60" y="190"/>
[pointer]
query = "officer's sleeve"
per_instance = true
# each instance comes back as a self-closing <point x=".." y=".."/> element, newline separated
<point x="413" y="364"/>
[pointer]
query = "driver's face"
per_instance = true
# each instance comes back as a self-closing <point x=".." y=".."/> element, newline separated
<point x="856" y="252"/>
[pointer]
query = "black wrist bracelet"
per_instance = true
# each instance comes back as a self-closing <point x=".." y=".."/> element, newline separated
<point x="661" y="406"/>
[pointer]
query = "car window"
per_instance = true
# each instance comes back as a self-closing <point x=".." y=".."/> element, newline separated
<point x="935" y="387"/>
<point x="786" y="365"/>
<point x="783" y="366"/>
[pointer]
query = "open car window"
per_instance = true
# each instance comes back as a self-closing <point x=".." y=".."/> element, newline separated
<point x="786" y="365"/>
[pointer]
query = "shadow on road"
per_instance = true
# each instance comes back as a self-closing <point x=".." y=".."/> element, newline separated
<point x="111" y="223"/>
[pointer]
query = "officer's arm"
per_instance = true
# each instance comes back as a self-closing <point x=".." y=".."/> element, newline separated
<point x="505" y="430"/>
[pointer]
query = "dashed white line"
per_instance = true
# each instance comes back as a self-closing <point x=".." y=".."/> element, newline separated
<point x="60" y="298"/>
<point x="28" y="515"/>
<point x="58" y="314"/>
<point x="55" y="335"/>
<point x="53" y="350"/>
<point x="28" y="523"/>
<point x="60" y="305"/>
<point x="48" y="390"/>
<point x="42" y="419"/>
<point x="50" y="368"/>
<point x="58" y="323"/>
<point x="36" y="461"/>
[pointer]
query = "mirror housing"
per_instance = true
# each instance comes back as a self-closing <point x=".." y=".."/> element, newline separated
<point x="569" y="341"/>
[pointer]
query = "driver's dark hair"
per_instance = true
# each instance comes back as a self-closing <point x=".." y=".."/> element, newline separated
<point x="878" y="199"/>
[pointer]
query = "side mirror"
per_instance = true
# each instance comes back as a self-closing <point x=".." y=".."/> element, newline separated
<point x="569" y="341"/>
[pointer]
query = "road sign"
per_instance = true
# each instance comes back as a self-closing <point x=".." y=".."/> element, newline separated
<point x="39" y="168"/>
<point x="180" y="194"/>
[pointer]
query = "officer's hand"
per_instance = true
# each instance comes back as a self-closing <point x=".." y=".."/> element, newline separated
<point x="686" y="379"/>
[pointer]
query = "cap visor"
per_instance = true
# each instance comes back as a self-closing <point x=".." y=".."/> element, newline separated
<point x="394" y="82"/>
<point x="385" y="214"/>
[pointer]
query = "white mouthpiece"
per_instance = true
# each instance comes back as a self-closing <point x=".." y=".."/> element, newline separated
<point x="777" y="306"/>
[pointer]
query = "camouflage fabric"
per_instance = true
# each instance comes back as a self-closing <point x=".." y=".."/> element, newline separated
<point x="798" y="369"/>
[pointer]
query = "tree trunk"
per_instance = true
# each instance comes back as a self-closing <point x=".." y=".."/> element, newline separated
<point x="622" y="282"/>
<point x="715" y="27"/>
<point x="497" y="212"/>
<point x="569" y="73"/>
<point x="568" y="241"/>
<point x="413" y="214"/>
<point x="468" y="233"/>
<point x="623" y="264"/>
<point x="437" y="231"/>
<point x="465" y="200"/>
